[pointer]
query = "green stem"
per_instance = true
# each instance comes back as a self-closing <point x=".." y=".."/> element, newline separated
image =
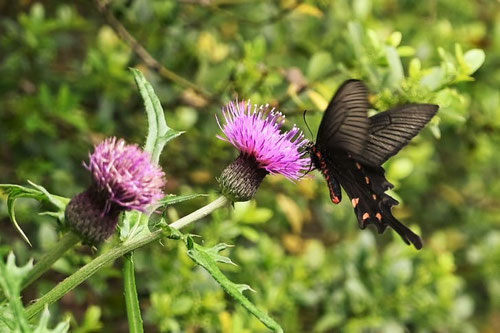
<point x="88" y="270"/>
<point x="131" y="300"/>
<point x="67" y="241"/>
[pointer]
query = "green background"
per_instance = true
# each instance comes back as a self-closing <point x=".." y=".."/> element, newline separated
<point x="65" y="86"/>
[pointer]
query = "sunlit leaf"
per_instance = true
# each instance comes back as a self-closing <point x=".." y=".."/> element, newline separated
<point x="321" y="64"/>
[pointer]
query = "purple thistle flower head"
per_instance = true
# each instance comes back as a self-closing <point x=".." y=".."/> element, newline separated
<point x="123" y="178"/>
<point x="126" y="173"/>
<point x="256" y="131"/>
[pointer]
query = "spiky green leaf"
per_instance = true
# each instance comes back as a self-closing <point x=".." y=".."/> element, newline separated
<point x="39" y="193"/>
<point x="208" y="258"/>
<point x="158" y="131"/>
<point x="42" y="327"/>
<point x="11" y="277"/>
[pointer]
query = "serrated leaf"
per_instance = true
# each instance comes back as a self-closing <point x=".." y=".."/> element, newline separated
<point x="15" y="192"/>
<point x="11" y="278"/>
<point x="208" y="258"/>
<point x="244" y="287"/>
<point x="158" y="131"/>
<point x="133" y="223"/>
<point x="59" y="202"/>
<point x="214" y="253"/>
<point x="168" y="231"/>
<point x="12" y="315"/>
<point x="62" y="327"/>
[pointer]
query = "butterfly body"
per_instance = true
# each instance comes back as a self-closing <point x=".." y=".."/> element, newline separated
<point x="351" y="147"/>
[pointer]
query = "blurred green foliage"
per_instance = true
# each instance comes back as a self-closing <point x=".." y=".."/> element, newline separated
<point x="66" y="85"/>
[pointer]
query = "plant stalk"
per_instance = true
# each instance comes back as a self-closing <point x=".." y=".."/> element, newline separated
<point x="67" y="241"/>
<point x="131" y="299"/>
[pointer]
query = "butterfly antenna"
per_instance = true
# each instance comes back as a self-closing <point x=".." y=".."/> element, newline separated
<point x="305" y="122"/>
<point x="310" y="161"/>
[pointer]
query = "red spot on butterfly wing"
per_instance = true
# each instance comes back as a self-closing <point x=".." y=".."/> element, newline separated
<point x="355" y="202"/>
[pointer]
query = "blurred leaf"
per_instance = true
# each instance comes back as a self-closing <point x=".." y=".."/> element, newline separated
<point x="292" y="212"/>
<point x="434" y="78"/>
<point x="319" y="101"/>
<point x="91" y="321"/>
<point x="362" y="8"/>
<point x="248" y="212"/>
<point x="394" y="39"/>
<point x="321" y="64"/>
<point x="308" y="9"/>
<point x="474" y="59"/>
<point x="396" y="68"/>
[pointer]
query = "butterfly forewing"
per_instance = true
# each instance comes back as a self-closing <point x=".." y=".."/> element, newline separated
<point x="345" y="122"/>
<point x="391" y="130"/>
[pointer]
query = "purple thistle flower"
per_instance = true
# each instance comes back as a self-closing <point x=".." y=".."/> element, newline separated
<point x="126" y="173"/>
<point x="123" y="178"/>
<point x="256" y="132"/>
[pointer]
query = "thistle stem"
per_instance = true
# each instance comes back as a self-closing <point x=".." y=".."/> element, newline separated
<point x="68" y="240"/>
<point x="131" y="299"/>
<point x="92" y="267"/>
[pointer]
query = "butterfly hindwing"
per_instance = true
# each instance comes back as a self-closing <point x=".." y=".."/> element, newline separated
<point x="345" y="122"/>
<point x="366" y="185"/>
<point x="391" y="130"/>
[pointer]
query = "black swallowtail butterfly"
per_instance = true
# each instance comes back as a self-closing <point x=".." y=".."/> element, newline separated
<point x="351" y="147"/>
